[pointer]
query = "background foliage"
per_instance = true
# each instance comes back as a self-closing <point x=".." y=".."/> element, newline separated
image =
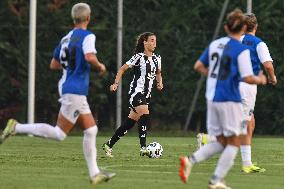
<point x="184" y="28"/>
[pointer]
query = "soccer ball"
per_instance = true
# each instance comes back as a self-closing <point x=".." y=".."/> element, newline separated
<point x="155" y="149"/>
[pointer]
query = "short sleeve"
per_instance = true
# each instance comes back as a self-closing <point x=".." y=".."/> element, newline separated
<point x="204" y="58"/>
<point x="89" y="44"/>
<point x="263" y="52"/>
<point x="159" y="62"/>
<point x="134" y="60"/>
<point x="244" y="64"/>
<point x="56" y="52"/>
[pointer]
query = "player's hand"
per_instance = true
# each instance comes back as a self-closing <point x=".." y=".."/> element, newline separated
<point x="102" y="69"/>
<point x="160" y="86"/>
<point x="113" y="87"/>
<point x="262" y="78"/>
<point x="273" y="80"/>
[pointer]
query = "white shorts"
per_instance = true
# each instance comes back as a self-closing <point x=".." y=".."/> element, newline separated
<point x="73" y="105"/>
<point x="224" y="118"/>
<point x="248" y="94"/>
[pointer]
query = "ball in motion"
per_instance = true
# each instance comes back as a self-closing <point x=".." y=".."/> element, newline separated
<point x="155" y="150"/>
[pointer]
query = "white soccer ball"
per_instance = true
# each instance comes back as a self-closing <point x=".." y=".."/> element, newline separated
<point x="155" y="150"/>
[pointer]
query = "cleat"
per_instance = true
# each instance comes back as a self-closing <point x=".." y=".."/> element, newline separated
<point x="102" y="177"/>
<point x="252" y="169"/>
<point x="201" y="139"/>
<point x="9" y="130"/>
<point x="108" y="150"/>
<point x="144" y="152"/>
<point x="218" y="185"/>
<point x="185" y="168"/>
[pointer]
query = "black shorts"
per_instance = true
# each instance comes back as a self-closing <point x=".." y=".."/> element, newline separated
<point x="137" y="100"/>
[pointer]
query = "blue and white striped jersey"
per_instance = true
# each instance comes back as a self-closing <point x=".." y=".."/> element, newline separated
<point x="227" y="60"/>
<point x="259" y="52"/>
<point x="71" y="55"/>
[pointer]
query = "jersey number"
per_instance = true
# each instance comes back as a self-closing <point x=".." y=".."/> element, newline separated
<point x="68" y="58"/>
<point x="225" y="67"/>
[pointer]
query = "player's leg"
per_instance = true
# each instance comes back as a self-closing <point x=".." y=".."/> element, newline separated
<point x="208" y="150"/>
<point x="248" y="93"/>
<point x="90" y="129"/>
<point x="120" y="132"/>
<point x="230" y="121"/>
<point x="45" y="130"/>
<point x="143" y="122"/>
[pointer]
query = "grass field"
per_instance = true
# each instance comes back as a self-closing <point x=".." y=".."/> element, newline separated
<point x="34" y="163"/>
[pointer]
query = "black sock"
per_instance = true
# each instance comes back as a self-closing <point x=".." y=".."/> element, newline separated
<point x="121" y="131"/>
<point x="142" y="129"/>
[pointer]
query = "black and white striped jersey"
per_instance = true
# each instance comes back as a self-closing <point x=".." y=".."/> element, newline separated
<point x="145" y="69"/>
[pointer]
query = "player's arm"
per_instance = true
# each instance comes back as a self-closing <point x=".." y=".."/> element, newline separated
<point x="246" y="72"/>
<point x="268" y="66"/>
<point x="90" y="52"/>
<point x="118" y="77"/>
<point x="266" y="60"/>
<point x="258" y="80"/>
<point x="200" y="67"/>
<point x="93" y="60"/>
<point x="55" y="64"/>
<point x="159" y="79"/>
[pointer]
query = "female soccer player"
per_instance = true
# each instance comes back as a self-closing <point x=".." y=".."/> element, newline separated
<point x="75" y="54"/>
<point x="224" y="62"/>
<point x="147" y="68"/>
<point x="259" y="54"/>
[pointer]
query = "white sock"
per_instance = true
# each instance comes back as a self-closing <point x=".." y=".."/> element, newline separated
<point x="211" y="138"/>
<point x="225" y="162"/>
<point x="90" y="150"/>
<point x="206" y="151"/>
<point x="42" y="130"/>
<point x="246" y="155"/>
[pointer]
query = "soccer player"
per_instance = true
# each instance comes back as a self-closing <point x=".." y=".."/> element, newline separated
<point x="224" y="62"/>
<point x="75" y="54"/>
<point x="147" y="68"/>
<point x="259" y="54"/>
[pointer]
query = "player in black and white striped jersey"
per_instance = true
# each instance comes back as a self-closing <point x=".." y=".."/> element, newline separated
<point x="147" y="68"/>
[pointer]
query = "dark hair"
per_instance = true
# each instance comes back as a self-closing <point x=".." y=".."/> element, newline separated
<point x="139" y="47"/>
<point x="235" y="21"/>
<point x="251" y="21"/>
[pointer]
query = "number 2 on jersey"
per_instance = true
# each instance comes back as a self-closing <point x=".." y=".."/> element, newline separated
<point x="225" y="67"/>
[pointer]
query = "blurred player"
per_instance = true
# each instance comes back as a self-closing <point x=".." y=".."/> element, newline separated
<point x="147" y="68"/>
<point x="259" y="54"/>
<point x="224" y="62"/>
<point x="75" y="53"/>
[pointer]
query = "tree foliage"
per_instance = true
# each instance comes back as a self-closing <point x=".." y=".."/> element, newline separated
<point x="183" y="28"/>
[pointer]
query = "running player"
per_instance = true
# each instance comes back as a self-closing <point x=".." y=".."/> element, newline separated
<point x="75" y="54"/>
<point x="147" y="68"/>
<point x="223" y="62"/>
<point x="259" y="54"/>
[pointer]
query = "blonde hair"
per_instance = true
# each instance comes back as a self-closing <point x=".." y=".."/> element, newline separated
<point x="80" y="12"/>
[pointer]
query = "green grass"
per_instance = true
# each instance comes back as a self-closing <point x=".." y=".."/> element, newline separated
<point x="29" y="163"/>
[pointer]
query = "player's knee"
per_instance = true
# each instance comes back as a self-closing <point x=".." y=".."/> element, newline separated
<point x="60" y="135"/>
<point x="92" y="131"/>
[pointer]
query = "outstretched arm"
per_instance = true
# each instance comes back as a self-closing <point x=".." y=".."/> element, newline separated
<point x="119" y="75"/>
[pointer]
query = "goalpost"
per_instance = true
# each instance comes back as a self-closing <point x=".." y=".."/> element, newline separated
<point x="32" y="62"/>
